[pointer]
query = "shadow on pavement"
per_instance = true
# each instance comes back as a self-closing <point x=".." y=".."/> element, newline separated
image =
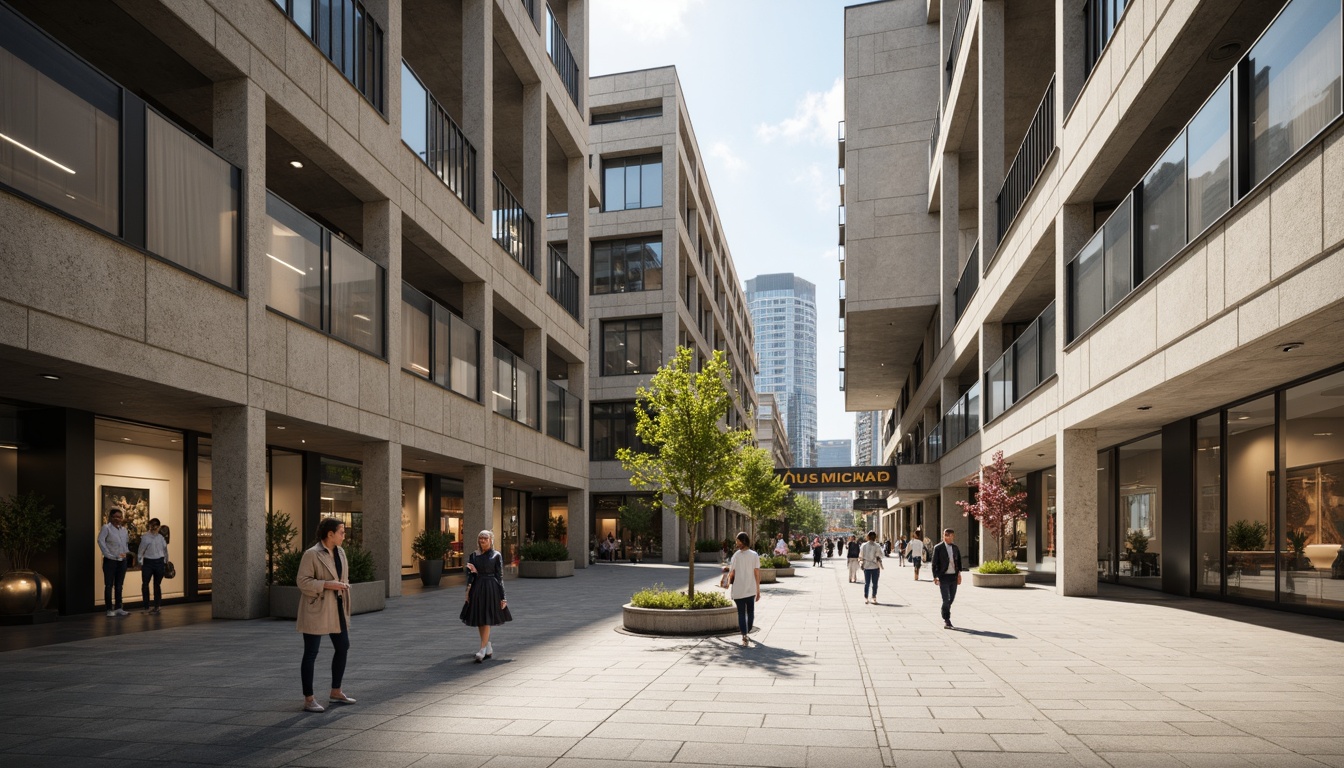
<point x="985" y="633"/>
<point x="729" y="651"/>
<point x="1309" y="626"/>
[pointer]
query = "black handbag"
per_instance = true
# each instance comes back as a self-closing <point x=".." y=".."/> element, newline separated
<point x="169" y="570"/>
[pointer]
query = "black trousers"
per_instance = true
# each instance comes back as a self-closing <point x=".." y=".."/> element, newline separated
<point x="152" y="568"/>
<point x="948" y="586"/>
<point x="340" y="643"/>
<point x="114" y="576"/>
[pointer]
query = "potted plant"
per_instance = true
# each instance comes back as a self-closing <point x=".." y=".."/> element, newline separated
<point x="1246" y="536"/>
<point x="1297" y="544"/>
<point x="545" y="560"/>
<point x="999" y="504"/>
<point x="774" y="566"/>
<point x="428" y="548"/>
<point x="557" y="529"/>
<point x="1137" y="544"/>
<point x="27" y="528"/>
<point x="708" y="551"/>
<point x="280" y="534"/>
<point x="367" y="594"/>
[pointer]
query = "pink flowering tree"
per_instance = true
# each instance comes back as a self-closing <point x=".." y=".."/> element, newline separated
<point x="999" y="501"/>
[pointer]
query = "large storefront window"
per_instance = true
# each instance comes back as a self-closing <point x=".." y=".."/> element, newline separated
<point x="205" y="515"/>
<point x="1140" y="512"/>
<point x="342" y="494"/>
<point x="1107" y="554"/>
<point x="1250" y="499"/>
<point x="451" y="511"/>
<point x="1312" y="520"/>
<point x="1208" y="504"/>
<point x="606" y="526"/>
<point x="413" y="500"/>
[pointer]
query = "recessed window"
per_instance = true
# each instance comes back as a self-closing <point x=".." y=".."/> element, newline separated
<point x="627" y="266"/>
<point x="632" y="182"/>
<point x="632" y="346"/>
<point x="624" y="115"/>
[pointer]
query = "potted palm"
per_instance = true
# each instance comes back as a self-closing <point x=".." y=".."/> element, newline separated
<point x="27" y="528"/>
<point x="428" y="549"/>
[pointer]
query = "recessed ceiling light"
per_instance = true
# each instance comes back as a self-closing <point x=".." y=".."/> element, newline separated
<point x="1225" y="51"/>
<point x="1290" y="346"/>
<point x="279" y="426"/>
<point x="126" y="439"/>
<point x="295" y="164"/>
<point x="174" y="440"/>
<point x="1323" y="434"/>
<point x="303" y="441"/>
<point x="51" y="377"/>
<point x="1243" y="417"/>
<point x="1145" y="407"/>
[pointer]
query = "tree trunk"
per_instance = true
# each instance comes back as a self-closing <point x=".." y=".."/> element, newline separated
<point x="690" y="537"/>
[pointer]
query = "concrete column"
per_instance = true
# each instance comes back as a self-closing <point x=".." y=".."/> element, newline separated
<point x="239" y="434"/>
<point x="534" y="353"/>
<point x="579" y="526"/>
<point x="953" y="517"/>
<point x="1076" y="517"/>
<point x="478" y="486"/>
<point x="991" y="68"/>
<point x="382" y="244"/>
<point x="1070" y="50"/>
<point x="382" y="511"/>
<point x="576" y="203"/>
<point x="478" y="309"/>
<point x="950" y="240"/>
<point x="534" y="169"/>
<point x="576" y="15"/>
<point x="673" y="531"/>
<point x="478" y="111"/>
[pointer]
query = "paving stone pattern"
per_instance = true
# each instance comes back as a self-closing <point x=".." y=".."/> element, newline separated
<point x="1029" y="679"/>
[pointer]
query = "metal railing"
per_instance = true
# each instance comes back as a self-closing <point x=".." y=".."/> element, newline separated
<point x="561" y="56"/>
<point x="840" y="144"/>
<point x="531" y="6"/>
<point x="513" y="229"/>
<point x="933" y="137"/>
<point x="967" y="284"/>
<point x="446" y="149"/>
<point x="960" y="422"/>
<point x="1023" y="366"/>
<point x="562" y="283"/>
<point x="954" y="49"/>
<point x="1035" y="149"/>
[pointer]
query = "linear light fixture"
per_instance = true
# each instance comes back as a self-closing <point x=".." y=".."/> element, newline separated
<point x="287" y="264"/>
<point x="36" y="154"/>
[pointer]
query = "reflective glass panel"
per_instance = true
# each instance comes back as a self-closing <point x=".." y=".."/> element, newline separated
<point x="1140" y="513"/>
<point x="1209" y="149"/>
<point x="1208" y="504"/>
<point x="1250" y="493"/>
<point x="295" y="259"/>
<point x="1119" y="263"/>
<point x="466" y="351"/>
<point x="414" y="115"/>
<point x="1163" y="214"/>
<point x="356" y="298"/>
<point x="1107" y="555"/>
<point x="191" y="204"/>
<point x="415" y="324"/>
<point x="651" y="185"/>
<point x="613" y="186"/>
<point x="1088" y="294"/>
<point x="1313" y="516"/>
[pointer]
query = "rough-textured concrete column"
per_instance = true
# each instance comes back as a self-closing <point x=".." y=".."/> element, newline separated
<point x="576" y="203"/>
<point x="674" y="532"/>
<point x="1070" y="50"/>
<point x="991" y="68"/>
<point x="579" y="526"/>
<point x="953" y="517"/>
<point x="478" y="110"/>
<point x="382" y="244"/>
<point x="1076" y="518"/>
<point x="949" y="239"/>
<point x="239" y="435"/>
<point x="478" y="490"/>
<point x="382" y="511"/>
<point x="576" y="17"/>
<point x="534" y="353"/>
<point x="535" y="141"/>
<point x="478" y="309"/>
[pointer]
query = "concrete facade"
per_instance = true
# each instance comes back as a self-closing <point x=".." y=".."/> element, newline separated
<point x="698" y="301"/>
<point x="946" y="103"/>
<point x="225" y="369"/>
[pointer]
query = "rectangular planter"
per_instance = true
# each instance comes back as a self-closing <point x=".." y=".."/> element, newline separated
<point x="708" y="557"/>
<point x="366" y="597"/>
<point x="545" y="569"/>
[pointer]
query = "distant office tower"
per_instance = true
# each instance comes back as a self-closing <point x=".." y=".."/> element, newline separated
<point x="837" y="505"/>
<point x="834" y="453"/>
<point x="784" y="315"/>
<point x="867" y="438"/>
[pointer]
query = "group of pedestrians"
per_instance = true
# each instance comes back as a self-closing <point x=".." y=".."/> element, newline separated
<point x="944" y="560"/>
<point x="152" y="554"/>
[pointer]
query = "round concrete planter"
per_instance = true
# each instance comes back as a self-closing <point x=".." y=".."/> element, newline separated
<point x="768" y="575"/>
<point x="998" y="580"/>
<point x="657" y="621"/>
<point x="785" y="572"/>
<point x="545" y="569"/>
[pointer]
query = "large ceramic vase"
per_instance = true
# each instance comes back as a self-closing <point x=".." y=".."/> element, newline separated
<point x="23" y="593"/>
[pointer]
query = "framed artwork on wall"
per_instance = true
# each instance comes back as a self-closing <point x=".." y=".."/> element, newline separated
<point x="134" y="506"/>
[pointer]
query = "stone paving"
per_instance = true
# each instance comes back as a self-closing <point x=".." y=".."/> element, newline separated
<point x="1029" y="679"/>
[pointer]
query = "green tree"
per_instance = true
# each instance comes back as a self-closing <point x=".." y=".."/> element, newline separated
<point x="637" y="516"/>
<point x="804" y="515"/>
<point x="688" y="457"/>
<point x="757" y="486"/>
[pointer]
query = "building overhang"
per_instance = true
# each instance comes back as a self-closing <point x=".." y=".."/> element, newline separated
<point x="880" y="345"/>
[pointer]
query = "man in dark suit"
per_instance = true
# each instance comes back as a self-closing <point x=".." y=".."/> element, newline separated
<point x="947" y="570"/>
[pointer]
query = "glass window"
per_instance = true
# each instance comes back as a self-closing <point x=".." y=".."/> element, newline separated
<point x="651" y="185"/>
<point x="1250" y="492"/>
<point x="1087" y="276"/>
<point x="416" y="309"/>
<point x="1118" y="257"/>
<point x="342" y="497"/>
<point x="1208" y="504"/>
<point x="613" y="428"/>
<point x="295" y="263"/>
<point x="1313" y="515"/>
<point x="1163" y="213"/>
<point x="525" y="386"/>
<point x="1027" y="354"/>
<point x="356" y="298"/>
<point x="303" y="15"/>
<point x="443" y="339"/>
<point x="1107" y="555"/>
<point x="632" y="182"/>
<point x="1294" y="74"/>
<point x="1140" y="513"/>
<point x="613" y="186"/>
<point x="59" y="127"/>
<point x="1209" y="149"/>
<point x="503" y="381"/>
<point x="625" y="266"/>
<point x="1047" y="343"/>
<point x="466" y="352"/>
<point x="414" y="113"/>
<point x="632" y="346"/>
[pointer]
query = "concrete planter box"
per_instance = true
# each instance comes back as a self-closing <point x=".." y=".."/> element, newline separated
<point x="654" y="621"/>
<point x="794" y="557"/>
<point x="998" y="580"/>
<point x="785" y="572"/>
<point x="768" y="575"/>
<point x="365" y="597"/>
<point x="545" y="569"/>
<point x="708" y="557"/>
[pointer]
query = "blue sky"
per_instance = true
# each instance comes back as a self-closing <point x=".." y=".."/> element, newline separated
<point x="764" y="87"/>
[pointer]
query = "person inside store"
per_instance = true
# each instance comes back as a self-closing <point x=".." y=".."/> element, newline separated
<point x="324" y="609"/>
<point x="153" y="558"/>
<point x="112" y="542"/>
<point x="486" y="605"/>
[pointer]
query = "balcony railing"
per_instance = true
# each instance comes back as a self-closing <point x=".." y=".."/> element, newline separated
<point x="531" y="6"/>
<point x="428" y="129"/>
<point x="1023" y="366"/>
<point x="513" y="229"/>
<point x="562" y="283"/>
<point x="1036" y="148"/>
<point x="933" y="137"/>
<point x="1100" y="19"/>
<point x="562" y="57"/>
<point x="967" y="283"/>
<point x="564" y="411"/>
<point x="438" y="345"/>
<point x="958" y="30"/>
<point x="960" y="422"/>
<point x="840" y="143"/>
<point x="840" y="217"/>
<point x="350" y="38"/>
<point x="516" y="396"/>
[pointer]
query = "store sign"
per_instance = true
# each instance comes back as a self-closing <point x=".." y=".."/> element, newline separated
<point x="869" y="505"/>
<point x="855" y="478"/>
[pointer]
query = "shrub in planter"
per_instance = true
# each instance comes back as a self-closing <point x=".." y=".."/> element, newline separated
<point x="361" y="564"/>
<point x="704" y="546"/>
<point x="545" y="551"/>
<point x="661" y="598"/>
<point x="1244" y="535"/>
<point x="428" y="549"/>
<point x="998" y="566"/>
<point x="287" y="568"/>
<point x="774" y="561"/>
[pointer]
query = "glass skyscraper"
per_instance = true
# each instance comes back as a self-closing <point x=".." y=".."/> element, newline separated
<point x="784" y="313"/>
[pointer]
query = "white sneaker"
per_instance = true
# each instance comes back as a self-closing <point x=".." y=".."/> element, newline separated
<point x="111" y="613"/>
<point x="479" y="656"/>
<point x="489" y="650"/>
<point x="120" y="612"/>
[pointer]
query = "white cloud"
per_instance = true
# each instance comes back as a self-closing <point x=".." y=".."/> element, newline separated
<point x="644" y="20"/>
<point x="822" y="185"/>
<point x="730" y="160"/>
<point x="814" y="119"/>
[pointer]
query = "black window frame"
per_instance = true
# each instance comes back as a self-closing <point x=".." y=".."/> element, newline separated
<point x="626" y="242"/>
<point x="608" y="419"/>
<point x="640" y="325"/>
<point x="627" y="161"/>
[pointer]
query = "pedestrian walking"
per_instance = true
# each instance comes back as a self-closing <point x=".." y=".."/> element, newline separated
<point x="744" y="584"/>
<point x="852" y="553"/>
<point x="486" y="605"/>
<point x="324" y="609"/>
<point x="871" y="556"/>
<point x="900" y="550"/>
<point x="112" y="542"/>
<point x="915" y="550"/>
<point x="886" y="547"/>
<point x="830" y="547"/>
<point x="947" y="572"/>
<point x="153" y="557"/>
<point x="781" y="546"/>
<point x="816" y="552"/>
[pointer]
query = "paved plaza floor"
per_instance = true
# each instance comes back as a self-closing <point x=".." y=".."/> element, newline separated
<point x="1028" y="679"/>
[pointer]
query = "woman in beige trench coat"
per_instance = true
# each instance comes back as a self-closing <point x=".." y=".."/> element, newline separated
<point x="324" y="609"/>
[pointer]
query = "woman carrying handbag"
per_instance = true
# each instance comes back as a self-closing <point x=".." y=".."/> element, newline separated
<point x="485" y="605"/>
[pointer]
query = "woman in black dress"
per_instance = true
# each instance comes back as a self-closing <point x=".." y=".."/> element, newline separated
<point x="485" y="606"/>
